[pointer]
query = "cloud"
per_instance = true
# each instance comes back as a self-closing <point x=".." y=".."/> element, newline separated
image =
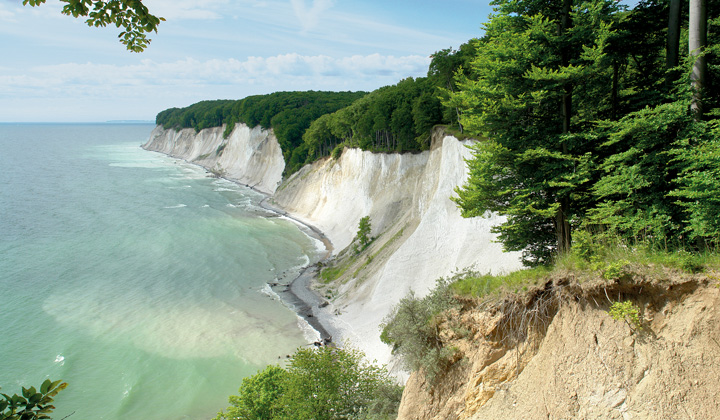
<point x="310" y="16"/>
<point x="5" y="14"/>
<point x="110" y="91"/>
<point x="187" y="9"/>
<point x="286" y="67"/>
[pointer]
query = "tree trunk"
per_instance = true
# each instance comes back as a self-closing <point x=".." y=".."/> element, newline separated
<point x="614" y="92"/>
<point x="673" y="35"/>
<point x="698" y="40"/>
<point x="562" y="226"/>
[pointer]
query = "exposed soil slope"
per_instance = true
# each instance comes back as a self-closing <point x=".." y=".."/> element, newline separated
<point x="555" y="353"/>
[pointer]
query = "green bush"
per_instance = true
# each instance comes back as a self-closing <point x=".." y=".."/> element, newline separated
<point x="32" y="404"/>
<point x="626" y="311"/>
<point x="320" y="384"/>
<point x="412" y="330"/>
<point x="615" y="270"/>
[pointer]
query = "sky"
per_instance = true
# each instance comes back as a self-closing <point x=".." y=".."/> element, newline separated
<point x="54" y="68"/>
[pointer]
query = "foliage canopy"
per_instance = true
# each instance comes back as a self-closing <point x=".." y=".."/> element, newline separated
<point x="583" y="130"/>
<point x="132" y="15"/>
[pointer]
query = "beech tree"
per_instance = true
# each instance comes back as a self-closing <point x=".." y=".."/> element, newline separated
<point x="131" y="15"/>
<point x="33" y="404"/>
<point x="541" y="76"/>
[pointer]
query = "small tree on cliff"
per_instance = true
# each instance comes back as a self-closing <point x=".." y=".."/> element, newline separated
<point x="363" y="235"/>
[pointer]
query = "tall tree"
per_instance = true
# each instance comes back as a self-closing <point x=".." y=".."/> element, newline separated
<point x="673" y="35"/>
<point x="534" y="167"/>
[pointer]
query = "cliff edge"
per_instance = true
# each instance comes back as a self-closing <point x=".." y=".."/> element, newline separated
<point x="555" y="352"/>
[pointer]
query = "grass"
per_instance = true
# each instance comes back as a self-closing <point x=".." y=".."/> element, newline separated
<point x="480" y="285"/>
<point x="329" y="274"/>
<point x="603" y="256"/>
<point x="591" y="255"/>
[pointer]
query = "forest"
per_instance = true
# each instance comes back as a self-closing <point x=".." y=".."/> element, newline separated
<point x="289" y="114"/>
<point x="596" y="118"/>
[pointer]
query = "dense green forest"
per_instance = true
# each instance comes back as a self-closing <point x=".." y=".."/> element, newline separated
<point x="288" y="113"/>
<point x="597" y="118"/>
<point x="593" y="116"/>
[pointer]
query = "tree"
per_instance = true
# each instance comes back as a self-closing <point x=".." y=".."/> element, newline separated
<point x="541" y="76"/>
<point x="697" y="42"/>
<point x="363" y="234"/>
<point x="673" y="34"/>
<point x="258" y="396"/>
<point x="321" y="384"/>
<point x="31" y="405"/>
<point x="132" y="15"/>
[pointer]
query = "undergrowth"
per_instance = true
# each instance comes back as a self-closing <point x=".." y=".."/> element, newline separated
<point x="473" y="284"/>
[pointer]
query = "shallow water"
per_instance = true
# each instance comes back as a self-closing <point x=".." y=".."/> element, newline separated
<point x="134" y="277"/>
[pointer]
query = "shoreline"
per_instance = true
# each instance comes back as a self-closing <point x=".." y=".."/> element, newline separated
<point x="297" y="294"/>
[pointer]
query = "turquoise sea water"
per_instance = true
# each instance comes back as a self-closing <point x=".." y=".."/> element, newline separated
<point x="136" y="278"/>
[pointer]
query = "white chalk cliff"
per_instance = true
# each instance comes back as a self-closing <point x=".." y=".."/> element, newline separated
<point x="250" y="156"/>
<point x="420" y="233"/>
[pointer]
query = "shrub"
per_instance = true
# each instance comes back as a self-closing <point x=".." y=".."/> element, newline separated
<point x="320" y="383"/>
<point x="412" y="330"/>
<point x="626" y="311"/>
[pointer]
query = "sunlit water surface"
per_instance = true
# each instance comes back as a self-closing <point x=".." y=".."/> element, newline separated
<point x="134" y="277"/>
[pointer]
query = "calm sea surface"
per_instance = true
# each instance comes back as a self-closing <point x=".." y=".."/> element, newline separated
<point x="134" y="277"/>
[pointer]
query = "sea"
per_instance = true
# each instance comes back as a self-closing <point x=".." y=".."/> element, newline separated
<point x="138" y="279"/>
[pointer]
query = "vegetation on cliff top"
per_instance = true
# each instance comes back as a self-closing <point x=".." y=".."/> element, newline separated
<point x="289" y="114"/>
<point x="591" y="126"/>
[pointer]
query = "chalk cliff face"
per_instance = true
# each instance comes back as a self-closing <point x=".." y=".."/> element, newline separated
<point x="420" y="233"/>
<point x="249" y="156"/>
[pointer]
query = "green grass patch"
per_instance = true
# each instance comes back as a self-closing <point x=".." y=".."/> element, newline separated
<point x="333" y="272"/>
<point x="480" y="285"/>
<point x="603" y="253"/>
<point x="591" y="254"/>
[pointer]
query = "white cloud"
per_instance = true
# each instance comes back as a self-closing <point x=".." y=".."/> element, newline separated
<point x="6" y="14"/>
<point x="95" y="91"/>
<point x="212" y="72"/>
<point x="309" y="16"/>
